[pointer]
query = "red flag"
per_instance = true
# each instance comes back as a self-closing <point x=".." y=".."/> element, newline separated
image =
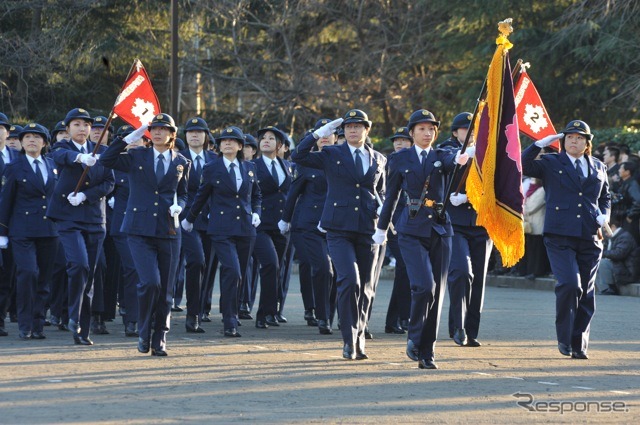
<point x="137" y="103"/>
<point x="533" y="119"/>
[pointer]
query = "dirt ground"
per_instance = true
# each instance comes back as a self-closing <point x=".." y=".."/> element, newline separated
<point x="291" y="374"/>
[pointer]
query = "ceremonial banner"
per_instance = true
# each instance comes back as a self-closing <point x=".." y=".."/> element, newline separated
<point x="137" y="103"/>
<point x="494" y="185"/>
<point x="533" y="118"/>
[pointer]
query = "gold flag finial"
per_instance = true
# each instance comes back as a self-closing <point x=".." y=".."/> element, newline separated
<point x="505" y="29"/>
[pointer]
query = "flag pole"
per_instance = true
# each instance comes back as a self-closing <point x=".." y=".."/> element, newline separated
<point x="83" y="177"/>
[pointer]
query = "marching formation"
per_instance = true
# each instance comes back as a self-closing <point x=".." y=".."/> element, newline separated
<point x="165" y="217"/>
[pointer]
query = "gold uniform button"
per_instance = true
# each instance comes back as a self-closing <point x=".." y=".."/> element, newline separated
<point x="44" y="197"/>
<point x="135" y="209"/>
<point x="44" y="207"/>
<point x="578" y="216"/>
<point x="356" y="208"/>
<point x="313" y="176"/>
<point x="557" y="208"/>
<point x="237" y="196"/>
<point x="155" y="203"/>
<point x="238" y="218"/>
<point x="357" y="196"/>
<point x="280" y="201"/>
<point x="156" y="192"/>
<point x="560" y="171"/>
<point x="86" y="184"/>
<point x="357" y="184"/>
<point x="27" y="213"/>
<point x="579" y="205"/>
<point x="155" y="214"/>
<point x="469" y="207"/>
<point x="44" y="218"/>
<point x="238" y="207"/>
<point x="580" y="194"/>
<point x="430" y="216"/>
<point x="140" y="167"/>
<point x="121" y="180"/>
<point x="221" y="212"/>
<point x="335" y="204"/>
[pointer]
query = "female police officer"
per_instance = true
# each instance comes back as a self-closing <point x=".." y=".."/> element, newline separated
<point x="424" y="235"/>
<point x="577" y="205"/>
<point x="28" y="186"/>
<point x="157" y="178"/>
<point x="230" y="187"/>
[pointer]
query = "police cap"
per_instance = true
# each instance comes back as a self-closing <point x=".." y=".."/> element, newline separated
<point x="77" y="114"/>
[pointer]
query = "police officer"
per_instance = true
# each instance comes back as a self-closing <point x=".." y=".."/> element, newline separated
<point x="80" y="216"/>
<point x="158" y="192"/>
<point x="59" y="132"/>
<point x="397" y="320"/>
<point x="424" y="230"/>
<point x="7" y="155"/>
<point x="98" y="126"/>
<point x="230" y="187"/>
<point x="274" y="178"/>
<point x="29" y="183"/>
<point x="471" y="249"/>
<point x="129" y="276"/>
<point x="196" y="245"/>
<point x="13" y="140"/>
<point x="355" y="175"/>
<point x="577" y="206"/>
<point x="250" y="282"/>
<point x="301" y="216"/>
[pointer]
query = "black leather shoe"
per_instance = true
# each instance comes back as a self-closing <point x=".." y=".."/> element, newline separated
<point x="280" y="318"/>
<point x="3" y="332"/>
<point x="47" y="322"/>
<point x="158" y="352"/>
<point x="143" y="345"/>
<point x="97" y="326"/>
<point x="205" y="317"/>
<point x="245" y="315"/>
<point x="394" y="330"/>
<point x="54" y="320"/>
<point x="232" y="333"/>
<point x="412" y="351"/>
<point x="404" y="324"/>
<point x="260" y="324"/>
<point x="472" y="342"/>
<point x="361" y="355"/>
<point x="427" y="364"/>
<point x="324" y="327"/>
<point x="564" y="349"/>
<point x="80" y="340"/>
<point x="310" y="317"/>
<point x="63" y="327"/>
<point x="312" y="322"/>
<point x="130" y="329"/>
<point x="271" y="320"/>
<point x="13" y="317"/>
<point x="367" y="334"/>
<point x="579" y="355"/>
<point x="191" y="325"/>
<point x="25" y="336"/>
<point x="38" y="335"/>
<point x="176" y="309"/>
<point x="460" y="337"/>
<point x="347" y="352"/>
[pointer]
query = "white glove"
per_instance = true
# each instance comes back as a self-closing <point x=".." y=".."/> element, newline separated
<point x="284" y="227"/>
<point x="471" y="150"/>
<point x="175" y="210"/>
<point x="320" y="228"/>
<point x="4" y="242"/>
<point x="379" y="237"/>
<point x="461" y="159"/>
<point x="76" y="200"/>
<point x="136" y="135"/>
<point x="601" y="219"/>
<point x="87" y="159"/>
<point x="186" y="225"/>
<point x="458" y="199"/>
<point x="255" y="220"/>
<point x="546" y="141"/>
<point x="379" y="210"/>
<point x="328" y="129"/>
<point x="111" y="202"/>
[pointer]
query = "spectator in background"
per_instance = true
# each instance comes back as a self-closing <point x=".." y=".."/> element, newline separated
<point x="536" y="262"/>
<point x="618" y="263"/>
<point x="610" y="157"/>
<point x="629" y="203"/>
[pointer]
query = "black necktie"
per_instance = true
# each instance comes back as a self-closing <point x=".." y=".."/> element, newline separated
<point x="274" y="172"/>
<point x="82" y="150"/>
<point x="198" y="164"/>
<point x="1" y="157"/>
<point x="38" y="171"/>
<point x="359" y="171"/>
<point x="579" y="169"/>
<point x="160" y="168"/>
<point x="232" y="174"/>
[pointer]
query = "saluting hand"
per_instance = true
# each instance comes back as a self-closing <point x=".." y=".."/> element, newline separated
<point x="328" y="129"/>
<point x="546" y="141"/>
